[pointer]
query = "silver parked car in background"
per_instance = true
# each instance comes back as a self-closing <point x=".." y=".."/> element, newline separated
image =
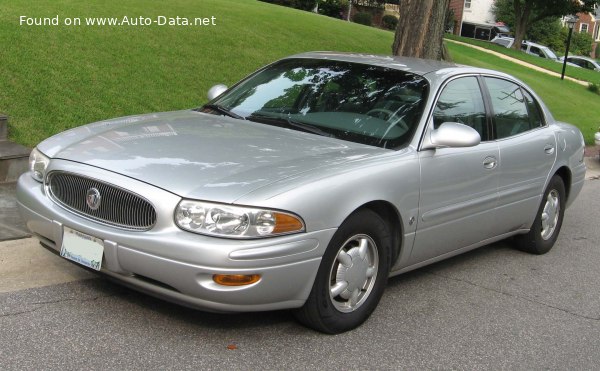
<point x="583" y="62"/>
<point x="307" y="184"/>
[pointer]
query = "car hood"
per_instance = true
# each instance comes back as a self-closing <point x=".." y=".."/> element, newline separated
<point x="201" y="156"/>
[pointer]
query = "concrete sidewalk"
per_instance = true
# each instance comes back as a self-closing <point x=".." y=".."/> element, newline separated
<point x="11" y="225"/>
<point x="26" y="264"/>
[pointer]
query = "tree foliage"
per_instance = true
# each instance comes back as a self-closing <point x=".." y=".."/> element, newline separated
<point x="522" y="14"/>
<point x="389" y="22"/>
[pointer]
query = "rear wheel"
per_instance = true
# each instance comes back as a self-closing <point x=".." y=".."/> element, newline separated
<point x="352" y="275"/>
<point x="547" y="224"/>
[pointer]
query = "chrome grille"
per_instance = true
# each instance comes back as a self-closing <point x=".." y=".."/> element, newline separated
<point x="118" y="207"/>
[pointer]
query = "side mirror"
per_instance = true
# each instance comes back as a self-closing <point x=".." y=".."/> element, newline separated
<point x="452" y="134"/>
<point x="216" y="90"/>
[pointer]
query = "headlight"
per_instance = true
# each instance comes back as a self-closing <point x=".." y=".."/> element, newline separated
<point x="38" y="163"/>
<point x="234" y="221"/>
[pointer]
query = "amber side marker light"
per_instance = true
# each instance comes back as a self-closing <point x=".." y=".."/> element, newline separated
<point x="236" y="279"/>
<point x="286" y="223"/>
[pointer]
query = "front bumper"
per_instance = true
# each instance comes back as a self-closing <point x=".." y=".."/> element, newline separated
<point x="176" y="265"/>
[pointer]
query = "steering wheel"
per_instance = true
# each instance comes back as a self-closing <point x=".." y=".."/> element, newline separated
<point x="391" y="116"/>
<point x="376" y="112"/>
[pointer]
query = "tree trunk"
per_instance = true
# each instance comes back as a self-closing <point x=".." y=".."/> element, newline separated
<point x="420" y="31"/>
<point x="349" y="10"/>
<point x="522" y="14"/>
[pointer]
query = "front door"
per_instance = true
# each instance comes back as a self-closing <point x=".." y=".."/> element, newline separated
<point x="458" y="185"/>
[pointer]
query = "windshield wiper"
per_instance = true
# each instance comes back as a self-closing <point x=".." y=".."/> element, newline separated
<point x="223" y="110"/>
<point x="288" y="121"/>
<point x="308" y="127"/>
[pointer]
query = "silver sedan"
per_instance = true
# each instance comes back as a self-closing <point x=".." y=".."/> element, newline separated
<point x="307" y="184"/>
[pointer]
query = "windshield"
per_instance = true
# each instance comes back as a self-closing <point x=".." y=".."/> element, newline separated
<point x="549" y="53"/>
<point x="356" y="102"/>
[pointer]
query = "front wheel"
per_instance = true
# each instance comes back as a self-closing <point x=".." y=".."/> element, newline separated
<point x="546" y="227"/>
<point x="352" y="275"/>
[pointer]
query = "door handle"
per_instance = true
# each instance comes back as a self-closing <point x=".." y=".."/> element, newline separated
<point x="549" y="149"/>
<point x="490" y="162"/>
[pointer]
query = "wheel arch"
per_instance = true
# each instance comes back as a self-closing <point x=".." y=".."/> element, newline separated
<point x="565" y="174"/>
<point x="392" y="216"/>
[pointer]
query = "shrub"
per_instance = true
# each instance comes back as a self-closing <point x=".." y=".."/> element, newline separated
<point x="332" y="8"/>
<point x="594" y="88"/>
<point x="365" y="18"/>
<point x="298" y="4"/>
<point x="389" y="22"/>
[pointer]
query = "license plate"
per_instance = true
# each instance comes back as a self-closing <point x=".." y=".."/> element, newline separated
<point x="82" y="248"/>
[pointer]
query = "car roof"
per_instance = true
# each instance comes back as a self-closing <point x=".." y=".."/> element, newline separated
<point x="583" y="57"/>
<point x="536" y="45"/>
<point x="413" y="65"/>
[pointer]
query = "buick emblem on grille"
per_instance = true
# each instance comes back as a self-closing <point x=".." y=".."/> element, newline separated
<point x="93" y="198"/>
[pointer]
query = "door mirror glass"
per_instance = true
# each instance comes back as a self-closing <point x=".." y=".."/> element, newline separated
<point x="216" y="90"/>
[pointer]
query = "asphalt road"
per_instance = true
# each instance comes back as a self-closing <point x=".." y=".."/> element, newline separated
<point x="493" y="308"/>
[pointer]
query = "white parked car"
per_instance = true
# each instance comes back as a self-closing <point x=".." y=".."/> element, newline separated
<point x="539" y="50"/>
<point x="504" y="41"/>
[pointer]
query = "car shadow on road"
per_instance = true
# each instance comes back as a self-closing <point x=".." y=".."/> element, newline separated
<point x="272" y="319"/>
<point x="196" y="317"/>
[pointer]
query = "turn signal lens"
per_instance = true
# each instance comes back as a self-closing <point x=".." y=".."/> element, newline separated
<point x="285" y="223"/>
<point x="236" y="279"/>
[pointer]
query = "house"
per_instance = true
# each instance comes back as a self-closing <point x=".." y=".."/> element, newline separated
<point x="474" y="19"/>
<point x="589" y="23"/>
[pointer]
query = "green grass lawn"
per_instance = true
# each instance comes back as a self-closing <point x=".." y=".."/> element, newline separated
<point x="577" y="73"/>
<point x="57" y="77"/>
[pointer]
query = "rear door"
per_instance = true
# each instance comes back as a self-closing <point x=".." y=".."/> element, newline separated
<point x="527" y="153"/>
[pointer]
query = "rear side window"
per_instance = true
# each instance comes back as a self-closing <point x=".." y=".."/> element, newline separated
<point x="535" y="114"/>
<point x="461" y="101"/>
<point x="511" y="116"/>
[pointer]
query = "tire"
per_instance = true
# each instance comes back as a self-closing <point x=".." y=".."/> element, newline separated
<point x="352" y="275"/>
<point x="548" y="221"/>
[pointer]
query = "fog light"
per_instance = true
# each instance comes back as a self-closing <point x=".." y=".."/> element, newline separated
<point x="236" y="279"/>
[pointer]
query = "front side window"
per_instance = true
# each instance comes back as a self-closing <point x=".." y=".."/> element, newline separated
<point x="536" y="51"/>
<point x="510" y="112"/>
<point x="349" y="101"/>
<point x="461" y="101"/>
